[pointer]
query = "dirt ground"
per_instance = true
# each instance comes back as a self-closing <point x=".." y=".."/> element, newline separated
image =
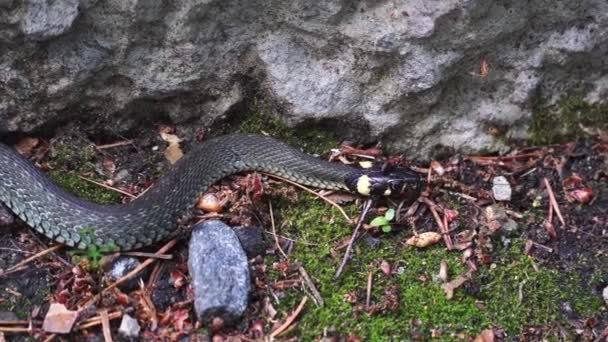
<point x="570" y="257"/>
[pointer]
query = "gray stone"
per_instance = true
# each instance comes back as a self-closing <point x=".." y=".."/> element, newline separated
<point x="501" y="189"/>
<point x="220" y="273"/>
<point x="45" y="19"/>
<point x="252" y="240"/>
<point x="120" y="267"/>
<point x="605" y="294"/>
<point x="129" y="327"/>
<point x="405" y="72"/>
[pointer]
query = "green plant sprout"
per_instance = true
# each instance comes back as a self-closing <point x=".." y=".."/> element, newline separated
<point x="383" y="222"/>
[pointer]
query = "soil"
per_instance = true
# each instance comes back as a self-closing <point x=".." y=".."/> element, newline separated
<point x="579" y="248"/>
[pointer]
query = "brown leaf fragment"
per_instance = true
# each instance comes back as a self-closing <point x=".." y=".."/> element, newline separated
<point x="485" y="336"/>
<point x="438" y="168"/>
<point x="209" y="203"/>
<point x="454" y="284"/>
<point x="385" y="267"/>
<point x="424" y="239"/>
<point x="25" y="145"/>
<point x="173" y="153"/>
<point x="59" y="320"/>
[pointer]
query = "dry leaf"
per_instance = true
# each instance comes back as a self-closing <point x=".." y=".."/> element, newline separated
<point x="424" y="239"/>
<point x="443" y="271"/>
<point x="25" y="145"/>
<point x="454" y="284"/>
<point x="485" y="336"/>
<point x="59" y="320"/>
<point x="385" y="267"/>
<point x="173" y="153"/>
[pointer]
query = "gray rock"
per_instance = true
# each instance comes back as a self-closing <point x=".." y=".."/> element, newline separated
<point x="405" y="72"/>
<point x="252" y="240"/>
<point x="129" y="327"/>
<point x="45" y="19"/>
<point x="501" y="189"/>
<point x="120" y="267"/>
<point x="220" y="273"/>
<point x="605" y="294"/>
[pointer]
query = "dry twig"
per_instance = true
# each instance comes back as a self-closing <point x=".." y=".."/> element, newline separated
<point x="289" y="319"/>
<point x="366" y="206"/>
<point x="274" y="231"/>
<point x="105" y="325"/>
<point x="368" y="293"/>
<point x="31" y="258"/>
<point x="316" y="296"/>
<point x="553" y="201"/>
<point x="441" y="223"/>
<point x="107" y="187"/>
<point x="116" y="144"/>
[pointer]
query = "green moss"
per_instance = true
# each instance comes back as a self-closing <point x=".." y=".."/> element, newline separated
<point x="517" y="295"/>
<point x="317" y="227"/>
<point x="261" y="120"/>
<point x="77" y="186"/>
<point x="562" y="121"/>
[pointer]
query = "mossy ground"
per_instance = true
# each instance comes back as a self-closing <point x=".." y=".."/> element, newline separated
<point x="423" y="306"/>
<point x="566" y="119"/>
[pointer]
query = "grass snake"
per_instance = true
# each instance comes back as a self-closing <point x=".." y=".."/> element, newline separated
<point x="152" y="217"/>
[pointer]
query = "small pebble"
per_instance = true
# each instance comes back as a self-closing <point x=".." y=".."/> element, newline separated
<point x="605" y="294"/>
<point x="129" y="327"/>
<point x="501" y="189"/>
<point x="120" y="267"/>
<point x="220" y="273"/>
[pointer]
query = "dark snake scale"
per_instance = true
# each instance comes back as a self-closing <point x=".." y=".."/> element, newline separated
<point x="152" y="217"/>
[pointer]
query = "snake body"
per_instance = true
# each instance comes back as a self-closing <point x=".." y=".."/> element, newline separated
<point x="152" y="217"/>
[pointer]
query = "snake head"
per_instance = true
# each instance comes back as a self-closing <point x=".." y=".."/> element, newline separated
<point x="393" y="182"/>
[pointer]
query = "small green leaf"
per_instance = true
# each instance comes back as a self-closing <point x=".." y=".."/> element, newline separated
<point x="387" y="228"/>
<point x="379" y="221"/>
<point x="390" y="214"/>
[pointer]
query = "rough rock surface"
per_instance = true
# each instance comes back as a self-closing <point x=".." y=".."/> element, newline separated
<point x="220" y="273"/>
<point x="406" y="71"/>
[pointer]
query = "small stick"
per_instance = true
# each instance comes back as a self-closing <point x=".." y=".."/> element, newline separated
<point x="502" y="158"/>
<point x="107" y="187"/>
<point x="22" y="322"/>
<point x="14" y="329"/>
<point x="314" y="193"/>
<point x="316" y="296"/>
<point x="105" y="325"/>
<point x="553" y="201"/>
<point x="116" y="144"/>
<point x="368" y="294"/>
<point x="289" y="319"/>
<point x="95" y="321"/>
<point x="274" y="231"/>
<point x="149" y="255"/>
<point x="29" y="259"/>
<point x="444" y="230"/>
<point x="366" y="206"/>
<point x="459" y="194"/>
<point x="50" y="338"/>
